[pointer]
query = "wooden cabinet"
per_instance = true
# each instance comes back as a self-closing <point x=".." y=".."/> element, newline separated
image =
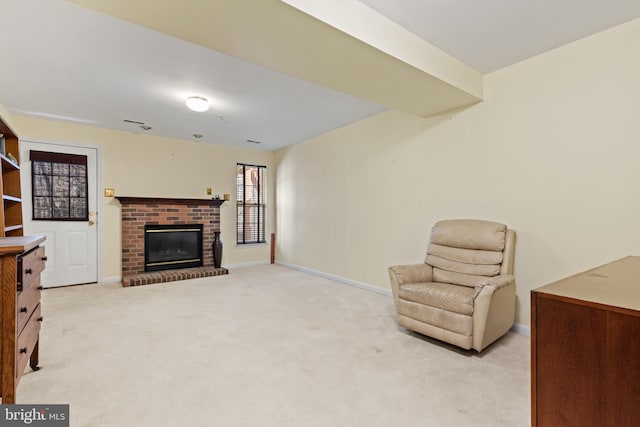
<point x="585" y="348"/>
<point x="11" y="212"/>
<point x="21" y="262"/>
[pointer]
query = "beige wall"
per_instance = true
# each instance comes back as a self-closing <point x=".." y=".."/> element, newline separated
<point x="147" y="166"/>
<point x="6" y="116"/>
<point x="552" y="152"/>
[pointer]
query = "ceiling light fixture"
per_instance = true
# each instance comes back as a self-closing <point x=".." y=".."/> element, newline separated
<point x="198" y="103"/>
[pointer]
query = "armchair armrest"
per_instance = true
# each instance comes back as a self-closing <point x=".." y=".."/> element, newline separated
<point x="412" y="273"/>
<point x="493" y="309"/>
<point x="500" y="281"/>
<point x="493" y="284"/>
<point x="400" y="274"/>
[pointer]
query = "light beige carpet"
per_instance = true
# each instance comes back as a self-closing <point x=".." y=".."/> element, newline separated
<point x="263" y="346"/>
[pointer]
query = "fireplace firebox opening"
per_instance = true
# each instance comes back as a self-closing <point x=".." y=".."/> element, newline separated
<point x="170" y="247"/>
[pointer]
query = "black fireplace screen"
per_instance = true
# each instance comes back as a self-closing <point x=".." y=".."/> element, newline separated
<point x="168" y="247"/>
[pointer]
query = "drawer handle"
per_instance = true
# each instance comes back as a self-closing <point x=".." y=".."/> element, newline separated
<point x="39" y="288"/>
<point x="23" y="309"/>
<point x="23" y="350"/>
<point x="40" y="319"/>
<point x="44" y="258"/>
<point x="28" y="271"/>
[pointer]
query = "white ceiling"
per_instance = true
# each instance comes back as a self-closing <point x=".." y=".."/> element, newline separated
<point x="70" y="63"/>
<point x="65" y="62"/>
<point x="491" y="34"/>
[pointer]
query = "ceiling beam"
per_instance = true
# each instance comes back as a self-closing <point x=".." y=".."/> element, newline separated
<point x="343" y="45"/>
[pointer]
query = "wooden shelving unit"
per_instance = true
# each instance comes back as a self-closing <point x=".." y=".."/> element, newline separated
<point x="21" y="262"/>
<point x="11" y="212"/>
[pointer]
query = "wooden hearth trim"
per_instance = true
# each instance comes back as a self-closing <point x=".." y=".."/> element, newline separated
<point x="169" y="201"/>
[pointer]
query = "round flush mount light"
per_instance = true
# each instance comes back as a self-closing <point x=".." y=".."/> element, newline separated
<point x="198" y="103"/>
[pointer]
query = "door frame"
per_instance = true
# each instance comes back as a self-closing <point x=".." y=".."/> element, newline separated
<point x="98" y="185"/>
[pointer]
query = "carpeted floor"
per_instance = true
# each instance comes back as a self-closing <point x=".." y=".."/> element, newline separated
<point x="263" y="346"/>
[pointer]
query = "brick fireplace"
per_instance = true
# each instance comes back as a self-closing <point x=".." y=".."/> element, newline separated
<point x="140" y="211"/>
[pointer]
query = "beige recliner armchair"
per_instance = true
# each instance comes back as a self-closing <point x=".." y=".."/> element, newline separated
<point x="464" y="292"/>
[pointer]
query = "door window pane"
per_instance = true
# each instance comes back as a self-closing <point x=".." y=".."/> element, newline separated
<point x="59" y="183"/>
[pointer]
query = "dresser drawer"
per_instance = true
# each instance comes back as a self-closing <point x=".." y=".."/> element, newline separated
<point x="27" y="341"/>
<point x="30" y="265"/>
<point x="26" y="303"/>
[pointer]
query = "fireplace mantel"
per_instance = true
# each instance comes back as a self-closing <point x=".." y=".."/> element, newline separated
<point x="169" y="201"/>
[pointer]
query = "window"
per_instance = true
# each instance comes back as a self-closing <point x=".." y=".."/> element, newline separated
<point x="59" y="183"/>
<point x="251" y="196"/>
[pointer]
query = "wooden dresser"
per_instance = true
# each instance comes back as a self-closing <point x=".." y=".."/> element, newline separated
<point x="21" y="262"/>
<point x="585" y="348"/>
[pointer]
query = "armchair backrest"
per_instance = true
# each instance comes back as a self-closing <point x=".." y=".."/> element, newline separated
<point x="468" y="252"/>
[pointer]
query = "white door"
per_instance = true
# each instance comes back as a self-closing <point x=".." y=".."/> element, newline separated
<point x="71" y="245"/>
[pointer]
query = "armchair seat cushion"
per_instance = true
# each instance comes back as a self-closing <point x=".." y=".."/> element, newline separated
<point x="458" y="299"/>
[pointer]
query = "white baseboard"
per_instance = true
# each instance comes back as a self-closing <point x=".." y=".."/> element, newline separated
<point x="245" y="264"/>
<point x="344" y="280"/>
<point x="115" y="279"/>
<point x="521" y="329"/>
